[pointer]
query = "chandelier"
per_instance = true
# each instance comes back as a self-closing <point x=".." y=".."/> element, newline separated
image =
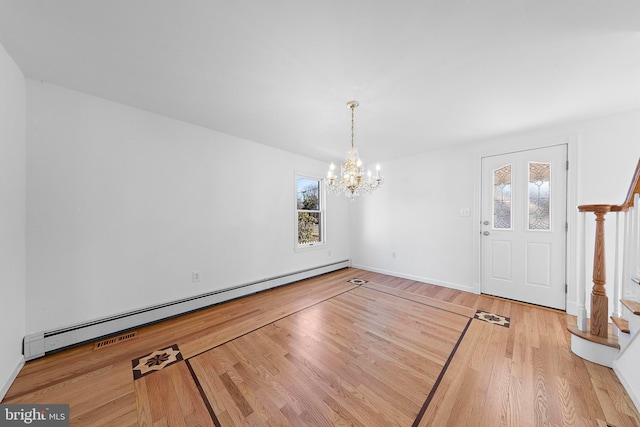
<point x="352" y="181"/>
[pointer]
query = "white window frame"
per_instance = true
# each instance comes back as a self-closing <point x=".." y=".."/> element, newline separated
<point x="321" y="211"/>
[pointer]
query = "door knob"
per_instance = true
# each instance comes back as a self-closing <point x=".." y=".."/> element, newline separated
<point x="486" y="233"/>
<point x="485" y="222"/>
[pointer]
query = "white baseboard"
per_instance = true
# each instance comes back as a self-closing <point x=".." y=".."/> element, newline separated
<point x="466" y="288"/>
<point x="572" y="308"/>
<point x="40" y="343"/>
<point x="627" y="383"/>
<point x="12" y="376"/>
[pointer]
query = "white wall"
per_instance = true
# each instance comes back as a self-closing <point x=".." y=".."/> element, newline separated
<point x="416" y="215"/>
<point x="608" y="154"/>
<point x="417" y="212"/>
<point x="122" y="206"/>
<point x="12" y="219"/>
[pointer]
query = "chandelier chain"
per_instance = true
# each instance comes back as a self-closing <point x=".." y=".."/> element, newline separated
<point x="353" y="108"/>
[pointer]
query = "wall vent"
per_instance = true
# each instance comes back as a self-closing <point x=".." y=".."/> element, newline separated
<point x="114" y="340"/>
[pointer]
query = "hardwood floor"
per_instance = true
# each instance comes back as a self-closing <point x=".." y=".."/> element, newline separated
<point x="390" y="352"/>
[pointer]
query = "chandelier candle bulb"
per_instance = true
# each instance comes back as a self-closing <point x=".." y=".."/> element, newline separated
<point x="352" y="184"/>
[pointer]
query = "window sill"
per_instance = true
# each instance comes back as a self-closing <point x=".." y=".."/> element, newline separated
<point x="305" y="248"/>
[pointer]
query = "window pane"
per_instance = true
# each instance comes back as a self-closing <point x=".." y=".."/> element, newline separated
<point x="539" y="202"/>
<point x="308" y="194"/>
<point x="502" y="198"/>
<point x="308" y="227"/>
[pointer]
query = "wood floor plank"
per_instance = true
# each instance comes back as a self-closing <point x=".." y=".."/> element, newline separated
<point x="115" y="393"/>
<point x="411" y="294"/>
<point x="379" y="351"/>
<point x="327" y="352"/>
<point x="115" y="412"/>
<point x="537" y="385"/>
<point x="143" y="404"/>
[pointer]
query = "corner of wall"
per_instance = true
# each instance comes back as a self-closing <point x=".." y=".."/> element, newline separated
<point x="13" y="224"/>
<point x="4" y="385"/>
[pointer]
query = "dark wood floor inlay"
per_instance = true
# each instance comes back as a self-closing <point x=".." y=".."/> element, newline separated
<point x="155" y="361"/>
<point x="212" y="413"/>
<point x="426" y="403"/>
<point x="495" y="319"/>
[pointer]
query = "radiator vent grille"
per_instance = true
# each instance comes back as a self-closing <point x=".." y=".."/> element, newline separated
<point x="114" y="340"/>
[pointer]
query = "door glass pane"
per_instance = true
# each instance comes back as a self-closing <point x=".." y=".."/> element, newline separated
<point x="502" y="198"/>
<point x="539" y="192"/>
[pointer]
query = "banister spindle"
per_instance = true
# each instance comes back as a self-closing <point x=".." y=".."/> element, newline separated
<point x="581" y="287"/>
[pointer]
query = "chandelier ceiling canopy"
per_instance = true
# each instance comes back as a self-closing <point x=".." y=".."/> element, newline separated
<point x="352" y="180"/>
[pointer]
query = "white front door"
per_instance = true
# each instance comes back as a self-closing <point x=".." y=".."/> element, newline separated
<point x="523" y="228"/>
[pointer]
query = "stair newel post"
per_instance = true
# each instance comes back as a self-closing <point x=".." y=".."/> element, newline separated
<point x="599" y="299"/>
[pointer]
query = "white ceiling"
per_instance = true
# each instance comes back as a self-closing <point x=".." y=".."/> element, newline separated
<point x="426" y="73"/>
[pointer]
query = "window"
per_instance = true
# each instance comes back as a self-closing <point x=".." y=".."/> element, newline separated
<point x="309" y="211"/>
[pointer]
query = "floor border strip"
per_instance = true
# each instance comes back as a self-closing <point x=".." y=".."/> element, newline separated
<point x="426" y="403"/>
<point x="205" y="399"/>
<point x="272" y="322"/>
<point x="212" y="413"/>
<point x="417" y="302"/>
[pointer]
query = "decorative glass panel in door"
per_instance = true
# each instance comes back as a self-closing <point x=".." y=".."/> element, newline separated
<point x="539" y="196"/>
<point x="502" y="198"/>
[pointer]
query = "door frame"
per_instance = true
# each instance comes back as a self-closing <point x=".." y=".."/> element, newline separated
<point x="504" y="147"/>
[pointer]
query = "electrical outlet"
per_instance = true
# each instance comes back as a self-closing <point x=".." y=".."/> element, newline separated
<point x="393" y="255"/>
<point x="465" y="212"/>
<point x="195" y="276"/>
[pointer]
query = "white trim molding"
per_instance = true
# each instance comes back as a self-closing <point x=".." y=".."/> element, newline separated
<point x="450" y="285"/>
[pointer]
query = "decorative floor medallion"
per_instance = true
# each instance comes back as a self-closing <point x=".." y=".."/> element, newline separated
<point x="496" y="319"/>
<point x="155" y="361"/>
<point x="357" y="281"/>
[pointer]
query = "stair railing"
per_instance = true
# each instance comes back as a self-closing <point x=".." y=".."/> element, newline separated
<point x="626" y="260"/>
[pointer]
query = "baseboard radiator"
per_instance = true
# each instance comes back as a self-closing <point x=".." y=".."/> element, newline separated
<point x="38" y="344"/>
